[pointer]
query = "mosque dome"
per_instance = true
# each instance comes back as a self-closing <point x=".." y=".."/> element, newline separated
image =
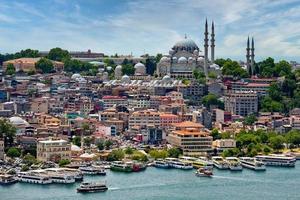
<point x="166" y="79"/>
<point x="190" y="59"/>
<point x="125" y="79"/>
<point x="196" y="52"/>
<point x="75" y="76"/>
<point x="215" y="66"/>
<point x="108" y="68"/>
<point x="118" y="71"/>
<point x="186" y="44"/>
<point x="164" y="59"/>
<point x="17" y="121"/>
<point x="182" y="60"/>
<point x="140" y="69"/>
<point x="174" y="59"/>
<point x="200" y="59"/>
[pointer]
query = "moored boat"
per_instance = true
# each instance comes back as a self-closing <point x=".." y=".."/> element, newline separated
<point x="277" y="160"/>
<point x="160" y="163"/>
<point x="92" y="187"/>
<point x="6" y="179"/>
<point x="178" y="164"/>
<point x="120" y="166"/>
<point x="252" y="163"/>
<point x="34" y="177"/>
<point x="219" y="162"/>
<point x="234" y="163"/>
<point x="93" y="170"/>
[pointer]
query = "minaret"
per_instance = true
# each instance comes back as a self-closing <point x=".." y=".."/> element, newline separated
<point x="206" y="49"/>
<point x="212" y="44"/>
<point x="252" y="56"/>
<point x="248" y="54"/>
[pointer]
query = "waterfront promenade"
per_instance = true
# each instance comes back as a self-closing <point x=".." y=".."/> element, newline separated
<point x="164" y="184"/>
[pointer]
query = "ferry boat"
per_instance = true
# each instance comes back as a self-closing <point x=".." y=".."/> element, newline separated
<point x="252" y="163"/>
<point x="34" y="177"/>
<point x="120" y="166"/>
<point x="77" y="174"/>
<point x="178" y="164"/>
<point x="6" y="179"/>
<point x="136" y="166"/>
<point x="277" y="160"/>
<point x="198" y="162"/>
<point x="219" y="162"/>
<point x="234" y="164"/>
<point x="204" y="172"/>
<point x="160" y="163"/>
<point x="92" y="187"/>
<point x="93" y="170"/>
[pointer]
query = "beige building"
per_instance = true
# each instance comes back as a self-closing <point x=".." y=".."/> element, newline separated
<point x="191" y="138"/>
<point x="1" y="150"/>
<point x="241" y="103"/>
<point x="40" y="105"/>
<point x="224" y="143"/>
<point x="143" y="118"/>
<point x="53" y="150"/>
<point x="28" y="64"/>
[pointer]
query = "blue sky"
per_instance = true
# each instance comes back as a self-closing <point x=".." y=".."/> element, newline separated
<point x="151" y="26"/>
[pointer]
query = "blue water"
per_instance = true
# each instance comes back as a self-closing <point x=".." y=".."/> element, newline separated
<point x="164" y="184"/>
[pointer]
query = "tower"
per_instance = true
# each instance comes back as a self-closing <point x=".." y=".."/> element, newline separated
<point x="252" y="56"/>
<point x="248" y="54"/>
<point x="205" y="48"/>
<point x="212" y="44"/>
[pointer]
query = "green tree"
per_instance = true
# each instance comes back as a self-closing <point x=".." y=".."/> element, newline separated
<point x="77" y="141"/>
<point x="233" y="68"/>
<point x="64" y="162"/>
<point x="44" y="65"/>
<point x="116" y="154"/>
<point x="215" y="134"/>
<point x="250" y="119"/>
<point x="174" y="152"/>
<point x="7" y="132"/>
<point x="212" y="75"/>
<point x="129" y="150"/>
<point x="211" y="99"/>
<point x="266" y="67"/>
<point x="139" y="156"/>
<point x="275" y="92"/>
<point x="58" y="54"/>
<point x="157" y="154"/>
<point x="127" y="67"/>
<point x="10" y="69"/>
<point x="100" y="145"/>
<point x="293" y="137"/>
<point x="87" y="141"/>
<point x="29" y="159"/>
<point x="282" y="68"/>
<point x="277" y="142"/>
<point x="13" y="152"/>
<point x="221" y="61"/>
<point x="108" y="144"/>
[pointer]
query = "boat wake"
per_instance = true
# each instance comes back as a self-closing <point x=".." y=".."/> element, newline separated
<point x="230" y="178"/>
<point x="138" y="186"/>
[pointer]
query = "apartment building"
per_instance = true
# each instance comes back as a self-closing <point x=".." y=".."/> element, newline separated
<point x="53" y="150"/>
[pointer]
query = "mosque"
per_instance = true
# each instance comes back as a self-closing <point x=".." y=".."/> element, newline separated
<point x="185" y="56"/>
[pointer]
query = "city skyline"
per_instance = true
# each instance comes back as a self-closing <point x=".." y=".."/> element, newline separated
<point x="152" y="27"/>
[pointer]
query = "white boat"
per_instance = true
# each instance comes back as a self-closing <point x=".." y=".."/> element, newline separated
<point x="34" y="177"/>
<point x="204" y="172"/>
<point x="92" y="187"/>
<point x="234" y="164"/>
<point x="6" y="179"/>
<point x="61" y="178"/>
<point x="176" y="163"/>
<point x="252" y="163"/>
<point x="219" y="162"/>
<point x="277" y="160"/>
<point x="201" y="162"/>
<point x="78" y="175"/>
<point x="93" y="170"/>
<point x="160" y="163"/>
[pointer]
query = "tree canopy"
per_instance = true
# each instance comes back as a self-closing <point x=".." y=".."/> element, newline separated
<point x="234" y="69"/>
<point x="58" y="54"/>
<point x="10" y="69"/>
<point x="44" y="65"/>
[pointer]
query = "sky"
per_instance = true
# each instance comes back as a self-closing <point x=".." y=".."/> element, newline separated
<point x="151" y="26"/>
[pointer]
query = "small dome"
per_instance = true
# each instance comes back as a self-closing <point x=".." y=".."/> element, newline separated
<point x="174" y="58"/>
<point x="182" y="60"/>
<point x="164" y="59"/>
<point x="108" y="68"/>
<point x="166" y="79"/>
<point x="215" y="66"/>
<point x="196" y="52"/>
<point x="200" y="59"/>
<point x="171" y="52"/>
<point x="75" y="76"/>
<point x="190" y="59"/>
<point x="140" y="69"/>
<point x="125" y="79"/>
<point x="17" y="121"/>
<point x="118" y="67"/>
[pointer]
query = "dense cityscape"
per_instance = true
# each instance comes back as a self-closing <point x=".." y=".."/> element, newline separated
<point x="68" y="117"/>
